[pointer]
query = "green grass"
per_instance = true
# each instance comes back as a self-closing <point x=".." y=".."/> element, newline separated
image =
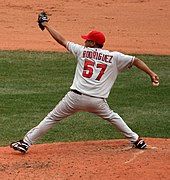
<point x="32" y="83"/>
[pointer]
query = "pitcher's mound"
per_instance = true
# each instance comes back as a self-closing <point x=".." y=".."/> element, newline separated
<point x="98" y="160"/>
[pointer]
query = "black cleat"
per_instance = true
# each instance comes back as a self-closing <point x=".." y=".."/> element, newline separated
<point x="140" y="144"/>
<point x="20" y="146"/>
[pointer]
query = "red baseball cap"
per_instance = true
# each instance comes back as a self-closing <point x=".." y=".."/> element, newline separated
<point x="95" y="36"/>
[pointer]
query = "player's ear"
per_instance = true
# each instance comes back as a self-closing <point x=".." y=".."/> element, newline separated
<point x="93" y="44"/>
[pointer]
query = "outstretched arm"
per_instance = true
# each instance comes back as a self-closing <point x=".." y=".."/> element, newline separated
<point x="55" y="34"/>
<point x="142" y="66"/>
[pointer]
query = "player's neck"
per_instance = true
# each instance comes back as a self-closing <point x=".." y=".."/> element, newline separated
<point x="95" y="46"/>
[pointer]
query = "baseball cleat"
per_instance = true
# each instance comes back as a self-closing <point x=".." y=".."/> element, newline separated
<point x="20" y="146"/>
<point x="140" y="144"/>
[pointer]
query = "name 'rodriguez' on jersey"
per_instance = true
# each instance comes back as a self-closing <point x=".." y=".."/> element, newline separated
<point x="97" y="69"/>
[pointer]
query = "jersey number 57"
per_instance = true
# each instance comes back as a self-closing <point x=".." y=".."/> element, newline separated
<point x="89" y="68"/>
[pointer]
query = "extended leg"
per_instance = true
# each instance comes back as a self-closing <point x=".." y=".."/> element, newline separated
<point x="106" y="113"/>
<point x="65" y="108"/>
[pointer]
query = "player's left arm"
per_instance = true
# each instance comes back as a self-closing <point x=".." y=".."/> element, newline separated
<point x="56" y="35"/>
<point x="142" y="66"/>
<point x="43" y="23"/>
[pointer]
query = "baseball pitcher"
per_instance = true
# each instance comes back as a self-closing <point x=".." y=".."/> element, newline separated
<point x="95" y="74"/>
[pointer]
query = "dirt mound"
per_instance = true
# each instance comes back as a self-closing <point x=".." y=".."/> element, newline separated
<point x="103" y="160"/>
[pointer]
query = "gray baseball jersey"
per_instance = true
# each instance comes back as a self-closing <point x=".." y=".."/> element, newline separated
<point x="97" y="69"/>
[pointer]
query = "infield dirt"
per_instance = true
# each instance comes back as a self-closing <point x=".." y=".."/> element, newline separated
<point x="130" y="26"/>
<point x="91" y="160"/>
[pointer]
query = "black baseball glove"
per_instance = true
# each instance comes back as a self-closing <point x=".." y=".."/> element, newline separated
<point x="42" y="17"/>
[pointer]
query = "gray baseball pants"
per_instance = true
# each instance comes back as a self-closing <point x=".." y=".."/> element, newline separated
<point x="72" y="103"/>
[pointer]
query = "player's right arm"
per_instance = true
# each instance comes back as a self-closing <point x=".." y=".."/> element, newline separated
<point x="142" y="66"/>
<point x="56" y="35"/>
<point x="124" y="61"/>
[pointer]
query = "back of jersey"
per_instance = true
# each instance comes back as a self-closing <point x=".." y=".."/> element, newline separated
<point x="97" y="69"/>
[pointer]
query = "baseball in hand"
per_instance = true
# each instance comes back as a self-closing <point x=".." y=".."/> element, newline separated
<point x="155" y="83"/>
